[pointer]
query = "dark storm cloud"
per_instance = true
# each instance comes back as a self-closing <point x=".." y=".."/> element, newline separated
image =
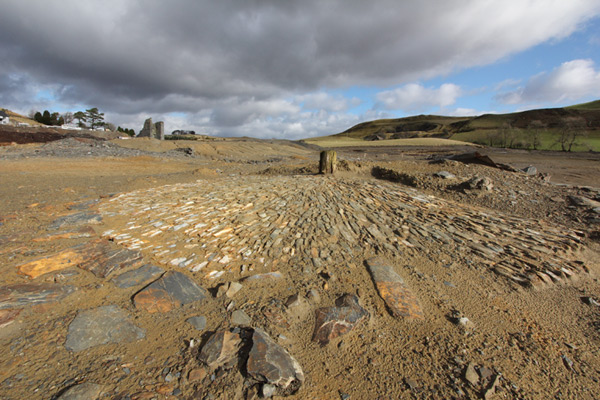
<point x="182" y="56"/>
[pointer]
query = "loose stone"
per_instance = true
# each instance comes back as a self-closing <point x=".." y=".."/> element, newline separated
<point x="171" y="291"/>
<point x="102" y="325"/>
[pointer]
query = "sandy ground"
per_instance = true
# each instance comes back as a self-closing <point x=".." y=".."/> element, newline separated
<point x="522" y="343"/>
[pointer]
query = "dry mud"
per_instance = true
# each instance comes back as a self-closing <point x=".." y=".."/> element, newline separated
<point x="108" y="251"/>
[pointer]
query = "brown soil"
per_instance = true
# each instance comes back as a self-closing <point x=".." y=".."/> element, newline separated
<point x="540" y="343"/>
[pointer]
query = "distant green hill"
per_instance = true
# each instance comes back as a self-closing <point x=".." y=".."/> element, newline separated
<point x="544" y="128"/>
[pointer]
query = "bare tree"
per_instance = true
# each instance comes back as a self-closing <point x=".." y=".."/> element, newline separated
<point x="571" y="129"/>
<point x="507" y="135"/>
<point x="68" y="117"/>
<point x="535" y="129"/>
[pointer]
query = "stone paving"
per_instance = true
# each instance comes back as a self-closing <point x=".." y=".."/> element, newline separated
<point x="173" y="242"/>
<point x="241" y="224"/>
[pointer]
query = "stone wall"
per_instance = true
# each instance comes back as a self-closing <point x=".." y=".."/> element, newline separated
<point x="156" y="131"/>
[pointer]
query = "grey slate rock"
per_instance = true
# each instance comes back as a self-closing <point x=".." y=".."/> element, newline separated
<point x="82" y="218"/>
<point x="171" y="291"/>
<point x="239" y="317"/>
<point x="83" y="391"/>
<point x="24" y="294"/>
<point x="102" y="325"/>
<point x="530" y="170"/>
<point x="332" y="322"/>
<point x="221" y="350"/>
<point x="198" y="322"/>
<point x="444" y="175"/>
<point x="269" y="362"/>
<point x="139" y="276"/>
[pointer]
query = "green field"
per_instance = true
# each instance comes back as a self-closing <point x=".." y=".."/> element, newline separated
<point x="340" y="141"/>
<point x="512" y="130"/>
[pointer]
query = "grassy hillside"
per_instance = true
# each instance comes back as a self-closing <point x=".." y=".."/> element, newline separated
<point x="577" y="127"/>
<point x="14" y="117"/>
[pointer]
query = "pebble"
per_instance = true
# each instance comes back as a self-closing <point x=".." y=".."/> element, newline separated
<point x="198" y="322"/>
<point x="239" y="317"/>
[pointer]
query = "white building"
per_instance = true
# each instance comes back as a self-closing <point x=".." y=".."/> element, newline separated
<point x="4" y="120"/>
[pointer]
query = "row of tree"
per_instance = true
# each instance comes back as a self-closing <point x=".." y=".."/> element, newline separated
<point x="508" y="136"/>
<point x="89" y="119"/>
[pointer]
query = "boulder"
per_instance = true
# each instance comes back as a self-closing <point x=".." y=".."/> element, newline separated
<point x="171" y="291"/>
<point x="102" y="325"/>
<point x="221" y="350"/>
<point x="399" y="299"/>
<point x="332" y="322"/>
<point x="270" y="363"/>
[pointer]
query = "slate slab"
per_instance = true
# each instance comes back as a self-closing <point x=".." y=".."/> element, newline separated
<point x="221" y="350"/>
<point x="82" y="218"/>
<point x="99" y="257"/>
<point x="400" y="300"/>
<point x="198" y="322"/>
<point x="269" y="362"/>
<point x="104" y="258"/>
<point x="65" y="259"/>
<point x="136" y="277"/>
<point x="332" y="322"/>
<point x="8" y="316"/>
<point x="25" y="294"/>
<point x="83" y="391"/>
<point x="102" y="325"/>
<point x="239" y="317"/>
<point x="171" y="291"/>
<point x="84" y="232"/>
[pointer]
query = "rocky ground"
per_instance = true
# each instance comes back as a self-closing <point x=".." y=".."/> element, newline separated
<point x="139" y="269"/>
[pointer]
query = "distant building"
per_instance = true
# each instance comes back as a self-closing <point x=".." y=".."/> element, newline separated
<point x="183" y="132"/>
<point x="4" y="119"/>
<point x="70" y="127"/>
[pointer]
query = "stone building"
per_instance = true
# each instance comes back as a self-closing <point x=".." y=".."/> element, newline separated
<point x="156" y="131"/>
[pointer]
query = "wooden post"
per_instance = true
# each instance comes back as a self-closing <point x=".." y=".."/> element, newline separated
<point x="328" y="162"/>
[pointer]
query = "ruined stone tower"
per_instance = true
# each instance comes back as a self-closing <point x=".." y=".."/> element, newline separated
<point x="156" y="131"/>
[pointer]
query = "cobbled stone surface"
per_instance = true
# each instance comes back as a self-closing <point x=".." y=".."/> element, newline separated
<point x="217" y="227"/>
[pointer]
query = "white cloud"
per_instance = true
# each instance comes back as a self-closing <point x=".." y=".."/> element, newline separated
<point x="326" y="101"/>
<point x="233" y="67"/>
<point x="416" y="97"/>
<point x="571" y="81"/>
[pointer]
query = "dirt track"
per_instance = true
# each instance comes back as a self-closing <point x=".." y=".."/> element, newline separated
<point x="533" y="342"/>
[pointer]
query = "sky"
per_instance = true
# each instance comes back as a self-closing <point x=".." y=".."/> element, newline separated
<point x="295" y="69"/>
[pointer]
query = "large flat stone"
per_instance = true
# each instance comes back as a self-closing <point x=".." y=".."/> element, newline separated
<point x="171" y="291"/>
<point x="84" y="232"/>
<point x="83" y="391"/>
<point x="400" y="300"/>
<point x="99" y="257"/>
<point x="56" y="262"/>
<point x="269" y="362"/>
<point x="105" y="258"/>
<point x="25" y="294"/>
<point x="77" y="219"/>
<point x="102" y="325"/>
<point x="8" y="316"/>
<point x="136" y="277"/>
<point x="332" y="322"/>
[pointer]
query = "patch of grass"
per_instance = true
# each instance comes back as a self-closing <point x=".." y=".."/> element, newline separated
<point x="592" y="105"/>
<point x="341" y="141"/>
<point x="548" y="139"/>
